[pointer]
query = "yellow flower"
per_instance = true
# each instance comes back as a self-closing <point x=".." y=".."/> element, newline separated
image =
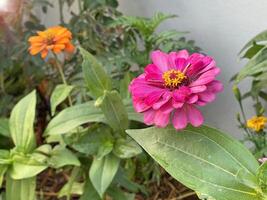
<point x="54" y="39"/>
<point x="257" y="123"/>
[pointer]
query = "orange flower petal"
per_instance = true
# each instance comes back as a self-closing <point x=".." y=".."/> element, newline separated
<point x="44" y="53"/>
<point x="69" y="48"/>
<point x="35" y="39"/>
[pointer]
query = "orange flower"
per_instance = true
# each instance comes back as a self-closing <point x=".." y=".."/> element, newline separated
<point x="54" y="39"/>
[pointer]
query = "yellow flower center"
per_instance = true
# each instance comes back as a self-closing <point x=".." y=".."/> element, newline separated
<point x="50" y="35"/>
<point x="173" y="78"/>
<point x="257" y="123"/>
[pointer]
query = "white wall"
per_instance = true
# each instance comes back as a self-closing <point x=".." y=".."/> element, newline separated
<point x="220" y="28"/>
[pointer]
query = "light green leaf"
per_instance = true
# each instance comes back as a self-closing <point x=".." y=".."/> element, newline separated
<point x="61" y="156"/>
<point x="3" y="169"/>
<point x="204" y="159"/>
<point x="5" y="157"/>
<point x="262" y="176"/>
<point x="255" y="65"/>
<point x="4" y="127"/>
<point x="261" y="37"/>
<point x="76" y="188"/>
<point x="95" y="76"/>
<point x="114" y="111"/>
<point x="20" y="189"/>
<point x="60" y="93"/>
<point x="102" y="172"/>
<point x="25" y="166"/>
<point x="91" y="140"/>
<point x="72" y="117"/>
<point x="21" y="123"/>
<point x="126" y="148"/>
<point x="89" y="192"/>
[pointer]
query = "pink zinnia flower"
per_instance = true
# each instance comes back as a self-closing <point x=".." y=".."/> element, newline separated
<point x="173" y="86"/>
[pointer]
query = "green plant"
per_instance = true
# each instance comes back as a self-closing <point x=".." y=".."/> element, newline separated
<point x="255" y="52"/>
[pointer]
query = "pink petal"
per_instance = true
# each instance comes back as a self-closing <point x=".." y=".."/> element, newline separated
<point x="192" y="99"/>
<point x="164" y="99"/>
<point x="160" y="59"/>
<point x="183" y="54"/>
<point x="197" y="89"/>
<point x="153" y="73"/>
<point x="181" y="94"/>
<point x="215" y="86"/>
<point x="207" y="96"/>
<point x="180" y="64"/>
<point x="149" y="117"/>
<point x="153" y="97"/>
<point x="194" y="116"/>
<point x="167" y="108"/>
<point x="179" y="119"/>
<point x="172" y="60"/>
<point x="161" y="119"/>
<point x="139" y="105"/>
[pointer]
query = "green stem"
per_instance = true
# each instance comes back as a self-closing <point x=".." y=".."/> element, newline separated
<point x="62" y="75"/>
<point x="74" y="174"/>
<point x="60" y="2"/>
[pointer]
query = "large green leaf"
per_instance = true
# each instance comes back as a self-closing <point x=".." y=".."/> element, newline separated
<point x="4" y="127"/>
<point x="254" y="66"/>
<point x="21" y="123"/>
<point x="91" y="141"/>
<point x="60" y="93"/>
<point x="72" y="117"/>
<point x="95" y="76"/>
<point x="114" y="110"/>
<point x="261" y="37"/>
<point x="20" y="189"/>
<point x="204" y="159"/>
<point x="103" y="171"/>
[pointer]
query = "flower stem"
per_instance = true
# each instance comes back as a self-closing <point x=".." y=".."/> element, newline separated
<point x="62" y="75"/>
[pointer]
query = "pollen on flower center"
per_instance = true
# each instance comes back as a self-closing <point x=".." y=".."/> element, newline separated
<point x="49" y="37"/>
<point x="173" y="78"/>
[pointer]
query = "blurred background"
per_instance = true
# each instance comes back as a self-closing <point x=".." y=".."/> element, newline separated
<point x="221" y="28"/>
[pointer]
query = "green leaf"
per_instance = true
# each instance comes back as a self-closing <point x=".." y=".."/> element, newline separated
<point x="4" y="127"/>
<point x="261" y="37"/>
<point x="21" y="123"/>
<point x="262" y="176"/>
<point x="102" y="172"/>
<point x="3" y="169"/>
<point x="89" y="192"/>
<point x="253" y="50"/>
<point x="204" y="159"/>
<point x="95" y="76"/>
<point x="124" y="84"/>
<point x="60" y="93"/>
<point x="25" y="166"/>
<point x="76" y="188"/>
<point x="20" y="189"/>
<point x="116" y="193"/>
<point x="114" y="111"/>
<point x="61" y="156"/>
<point x="91" y="140"/>
<point x="254" y="66"/>
<point x="126" y="148"/>
<point x="72" y="117"/>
